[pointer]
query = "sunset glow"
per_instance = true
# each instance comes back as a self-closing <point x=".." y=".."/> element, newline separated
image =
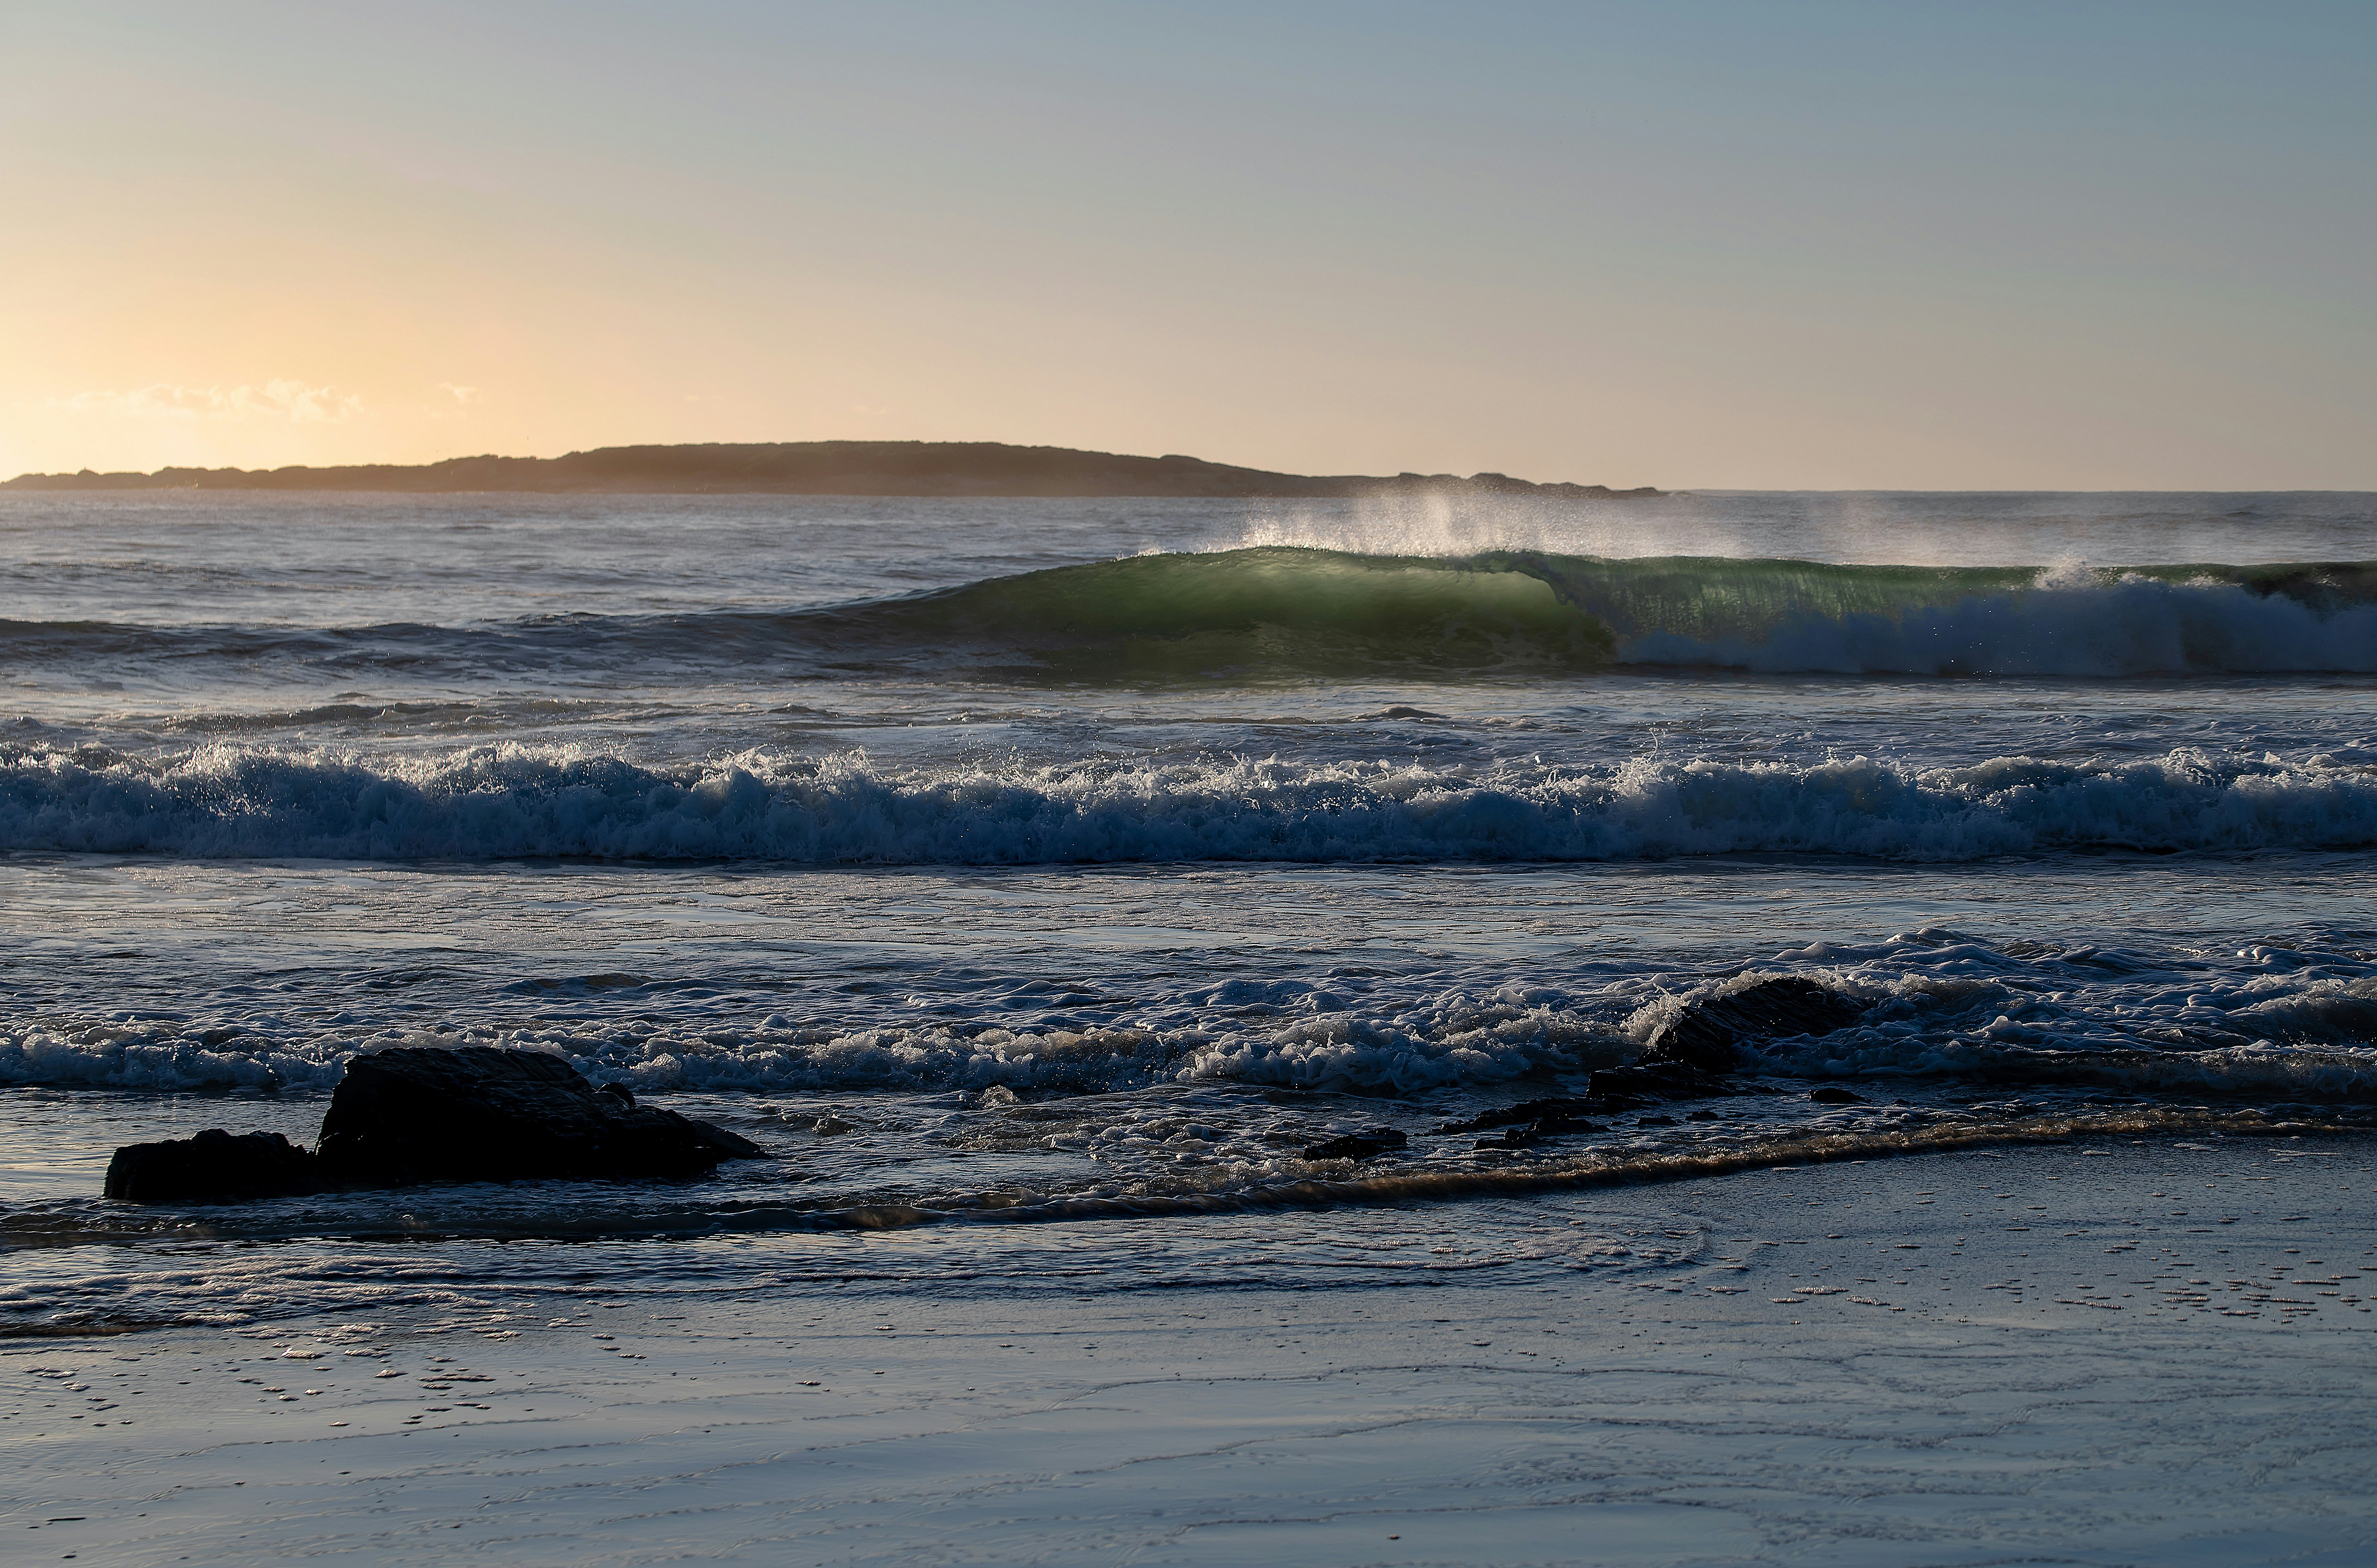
<point x="1730" y="244"/>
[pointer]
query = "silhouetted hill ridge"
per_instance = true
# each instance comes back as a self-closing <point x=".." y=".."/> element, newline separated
<point x="819" y="468"/>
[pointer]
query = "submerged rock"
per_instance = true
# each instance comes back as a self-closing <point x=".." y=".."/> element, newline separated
<point x="1358" y="1145"/>
<point x="213" y="1167"/>
<point x="1530" y="1120"/>
<point x="1706" y="1032"/>
<point x="1830" y="1096"/>
<point x="1527" y="1113"/>
<point x="1621" y="1088"/>
<point x="472" y="1113"/>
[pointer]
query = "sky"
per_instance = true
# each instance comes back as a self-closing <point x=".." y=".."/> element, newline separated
<point x="1912" y="245"/>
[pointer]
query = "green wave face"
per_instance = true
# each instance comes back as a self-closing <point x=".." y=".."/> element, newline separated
<point x="1715" y="596"/>
<point x="1271" y="611"/>
<point x="1285" y="613"/>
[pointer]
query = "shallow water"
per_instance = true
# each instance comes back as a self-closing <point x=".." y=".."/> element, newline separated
<point x="2116" y="1353"/>
<point x="984" y="897"/>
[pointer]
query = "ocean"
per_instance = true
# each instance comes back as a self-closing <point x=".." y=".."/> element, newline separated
<point x="1002" y="860"/>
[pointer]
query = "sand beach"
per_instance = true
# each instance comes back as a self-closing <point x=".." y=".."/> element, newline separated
<point x="2122" y="1353"/>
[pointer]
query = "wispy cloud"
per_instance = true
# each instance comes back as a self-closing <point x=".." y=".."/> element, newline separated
<point x="295" y="402"/>
<point x="462" y="395"/>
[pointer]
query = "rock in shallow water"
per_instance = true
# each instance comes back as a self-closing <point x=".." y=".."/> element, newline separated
<point x="213" y="1167"/>
<point x="472" y="1113"/>
<point x="1622" y="1088"/>
<point x="1564" y="1108"/>
<point x="1359" y="1145"/>
<point x="432" y="1113"/>
<point x="1530" y="1120"/>
<point x="1707" y="1033"/>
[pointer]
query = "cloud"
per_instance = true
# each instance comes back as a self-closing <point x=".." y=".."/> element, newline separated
<point x="295" y="402"/>
<point x="463" y="395"/>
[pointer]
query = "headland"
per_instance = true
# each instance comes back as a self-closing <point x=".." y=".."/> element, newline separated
<point x="826" y="468"/>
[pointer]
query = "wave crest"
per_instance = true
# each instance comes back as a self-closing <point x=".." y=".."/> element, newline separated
<point x="516" y="801"/>
<point x="1281" y="612"/>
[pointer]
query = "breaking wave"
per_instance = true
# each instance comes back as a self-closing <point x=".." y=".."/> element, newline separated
<point x="515" y="801"/>
<point x="1278" y="611"/>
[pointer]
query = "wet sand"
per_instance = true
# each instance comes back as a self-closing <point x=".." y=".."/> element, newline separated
<point x="2149" y="1353"/>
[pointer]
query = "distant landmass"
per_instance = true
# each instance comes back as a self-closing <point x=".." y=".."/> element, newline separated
<point x="820" y="468"/>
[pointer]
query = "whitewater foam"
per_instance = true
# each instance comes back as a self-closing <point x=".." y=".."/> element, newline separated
<point x="513" y="801"/>
<point x="1935" y="1006"/>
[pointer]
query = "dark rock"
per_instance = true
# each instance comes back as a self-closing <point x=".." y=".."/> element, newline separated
<point x="1524" y="1113"/>
<point x="213" y="1167"/>
<point x="1830" y="1096"/>
<point x="437" y="1114"/>
<point x="1655" y="1121"/>
<point x="472" y="1113"/>
<point x="1619" y="1088"/>
<point x="1530" y="1120"/>
<point x="1708" y="1032"/>
<point x="1547" y="1127"/>
<point x="1701" y="1116"/>
<point x="1358" y="1145"/>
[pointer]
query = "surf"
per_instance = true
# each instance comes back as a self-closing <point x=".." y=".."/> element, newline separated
<point x="515" y="800"/>
<point x="1296" y="613"/>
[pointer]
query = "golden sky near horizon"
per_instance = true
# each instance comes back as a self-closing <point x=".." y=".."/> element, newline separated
<point x="1714" y="245"/>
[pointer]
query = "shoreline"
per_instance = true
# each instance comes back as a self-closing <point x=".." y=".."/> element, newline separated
<point x="1881" y="1362"/>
